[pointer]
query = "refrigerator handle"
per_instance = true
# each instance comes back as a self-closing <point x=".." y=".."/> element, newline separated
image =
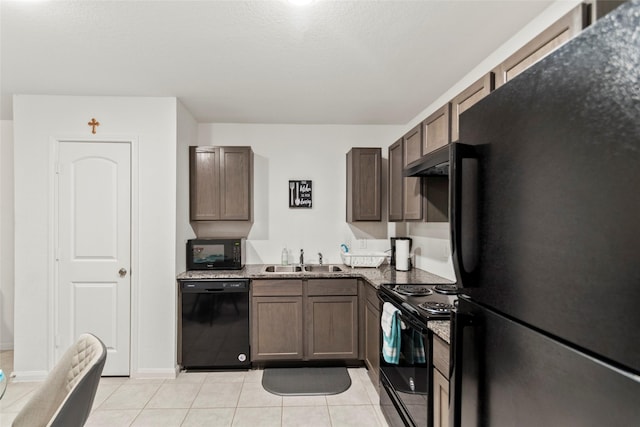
<point x="463" y="202"/>
<point x="460" y="322"/>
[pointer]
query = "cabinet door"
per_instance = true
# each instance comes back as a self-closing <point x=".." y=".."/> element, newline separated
<point x="396" y="182"/>
<point x="436" y="199"/>
<point x="332" y="327"/>
<point x="412" y="195"/>
<point x="440" y="400"/>
<point x="364" y="184"/>
<point x="276" y="328"/>
<point x="413" y="145"/>
<point x="412" y="199"/>
<point x="235" y="183"/>
<point x="436" y="129"/>
<point x="546" y="42"/>
<point x="372" y="339"/>
<point x="467" y="98"/>
<point x="440" y="382"/>
<point x="204" y="183"/>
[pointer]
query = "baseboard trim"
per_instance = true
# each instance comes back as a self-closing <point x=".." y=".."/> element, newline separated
<point x="6" y="346"/>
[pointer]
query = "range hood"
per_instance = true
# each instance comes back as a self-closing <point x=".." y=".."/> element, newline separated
<point x="435" y="163"/>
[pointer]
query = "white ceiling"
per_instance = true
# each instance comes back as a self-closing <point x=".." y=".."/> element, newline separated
<point x="333" y="62"/>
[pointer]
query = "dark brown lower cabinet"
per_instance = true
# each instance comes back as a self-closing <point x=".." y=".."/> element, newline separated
<point x="372" y="334"/>
<point x="331" y="309"/>
<point x="315" y="319"/>
<point x="440" y="383"/>
<point x="332" y="327"/>
<point x="276" y="320"/>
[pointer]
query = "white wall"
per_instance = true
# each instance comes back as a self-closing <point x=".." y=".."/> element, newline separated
<point x="152" y="122"/>
<point x="187" y="135"/>
<point x="300" y="152"/>
<point x="6" y="235"/>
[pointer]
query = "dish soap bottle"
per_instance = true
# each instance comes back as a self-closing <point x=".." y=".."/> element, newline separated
<point x="285" y="257"/>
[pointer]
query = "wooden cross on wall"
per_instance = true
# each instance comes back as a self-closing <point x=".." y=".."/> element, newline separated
<point x="93" y="123"/>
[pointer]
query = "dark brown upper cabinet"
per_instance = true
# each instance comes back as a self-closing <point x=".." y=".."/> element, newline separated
<point x="412" y="206"/>
<point x="364" y="184"/>
<point x="544" y="43"/>
<point x="436" y="129"/>
<point x="467" y="98"/>
<point x="220" y="183"/>
<point x="596" y="9"/>
<point x="436" y="198"/>
<point x="412" y="198"/>
<point x="412" y="145"/>
<point x="396" y="181"/>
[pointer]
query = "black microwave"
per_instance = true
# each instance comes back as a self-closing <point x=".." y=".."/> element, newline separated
<point x="215" y="254"/>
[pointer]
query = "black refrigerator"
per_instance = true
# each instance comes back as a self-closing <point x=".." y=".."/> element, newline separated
<point x="545" y="228"/>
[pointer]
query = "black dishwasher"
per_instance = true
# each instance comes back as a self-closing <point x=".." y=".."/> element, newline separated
<point x="214" y="324"/>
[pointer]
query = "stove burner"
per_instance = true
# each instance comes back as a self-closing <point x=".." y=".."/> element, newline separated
<point x="434" y="307"/>
<point x="447" y="289"/>
<point x="413" y="290"/>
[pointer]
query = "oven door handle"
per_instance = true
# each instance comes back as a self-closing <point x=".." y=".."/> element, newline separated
<point x="410" y="309"/>
<point x="404" y="317"/>
<point x="410" y="322"/>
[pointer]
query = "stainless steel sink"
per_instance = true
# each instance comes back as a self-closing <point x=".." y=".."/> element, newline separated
<point x="282" y="269"/>
<point x="322" y="268"/>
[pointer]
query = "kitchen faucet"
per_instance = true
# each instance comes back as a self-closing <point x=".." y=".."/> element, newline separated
<point x="301" y="257"/>
<point x="320" y="257"/>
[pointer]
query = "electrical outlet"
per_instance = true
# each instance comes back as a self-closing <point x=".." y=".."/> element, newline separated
<point x="362" y="243"/>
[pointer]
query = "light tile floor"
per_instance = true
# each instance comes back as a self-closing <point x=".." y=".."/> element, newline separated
<point x="211" y="399"/>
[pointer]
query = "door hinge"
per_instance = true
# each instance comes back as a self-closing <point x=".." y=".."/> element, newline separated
<point x="57" y="255"/>
<point x="57" y="168"/>
<point x="57" y="341"/>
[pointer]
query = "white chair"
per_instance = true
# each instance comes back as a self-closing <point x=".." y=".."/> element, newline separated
<point x="66" y="396"/>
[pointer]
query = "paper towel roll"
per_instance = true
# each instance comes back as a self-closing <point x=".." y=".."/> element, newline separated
<point x="402" y="255"/>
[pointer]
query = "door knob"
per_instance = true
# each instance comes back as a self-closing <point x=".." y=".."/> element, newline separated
<point x="122" y="272"/>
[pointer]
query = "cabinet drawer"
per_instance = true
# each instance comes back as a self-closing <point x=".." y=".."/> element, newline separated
<point x="332" y="287"/>
<point x="441" y="356"/>
<point x="285" y="287"/>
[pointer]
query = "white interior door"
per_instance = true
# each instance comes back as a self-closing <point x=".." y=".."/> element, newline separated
<point x="94" y="248"/>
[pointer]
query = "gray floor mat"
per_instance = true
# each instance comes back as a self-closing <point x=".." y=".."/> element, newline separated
<point x="306" y="381"/>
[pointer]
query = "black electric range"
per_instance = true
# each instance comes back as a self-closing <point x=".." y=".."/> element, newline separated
<point x="425" y="301"/>
<point x="406" y="395"/>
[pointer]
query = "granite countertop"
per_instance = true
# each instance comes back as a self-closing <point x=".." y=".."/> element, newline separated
<point x="441" y="328"/>
<point x="375" y="276"/>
